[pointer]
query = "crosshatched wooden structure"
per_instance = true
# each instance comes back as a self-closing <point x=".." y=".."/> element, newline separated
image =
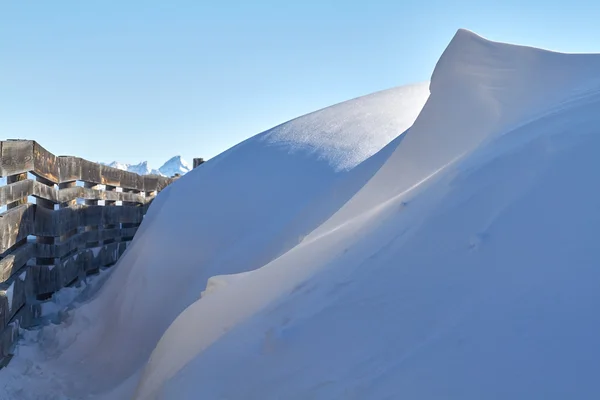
<point x="81" y="218"/>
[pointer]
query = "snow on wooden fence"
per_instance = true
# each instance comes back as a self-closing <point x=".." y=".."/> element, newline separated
<point x="65" y="217"/>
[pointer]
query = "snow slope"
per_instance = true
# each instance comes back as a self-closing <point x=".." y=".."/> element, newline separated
<point x="459" y="261"/>
<point x="465" y="268"/>
<point x="249" y="205"/>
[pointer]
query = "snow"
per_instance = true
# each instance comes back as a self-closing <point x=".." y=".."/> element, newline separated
<point x="218" y="236"/>
<point x="330" y="258"/>
<point x="175" y="165"/>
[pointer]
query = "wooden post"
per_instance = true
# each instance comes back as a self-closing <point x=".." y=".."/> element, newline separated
<point x="198" y="162"/>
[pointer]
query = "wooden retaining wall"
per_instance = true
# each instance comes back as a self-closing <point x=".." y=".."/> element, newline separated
<point x="83" y="217"/>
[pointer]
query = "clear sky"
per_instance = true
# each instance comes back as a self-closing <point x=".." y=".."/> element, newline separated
<point x="146" y="80"/>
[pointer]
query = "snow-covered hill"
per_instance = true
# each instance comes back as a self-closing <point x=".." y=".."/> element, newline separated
<point x="330" y="258"/>
<point x="175" y="165"/>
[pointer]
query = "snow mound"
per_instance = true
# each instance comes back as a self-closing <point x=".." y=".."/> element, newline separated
<point x="238" y="212"/>
<point x="464" y="268"/>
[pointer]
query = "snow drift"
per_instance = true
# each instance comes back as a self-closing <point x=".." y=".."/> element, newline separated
<point x="459" y="261"/>
<point x="450" y="274"/>
<point x="238" y="212"/>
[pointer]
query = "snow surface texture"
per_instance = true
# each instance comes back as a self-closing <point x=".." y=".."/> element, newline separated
<point x="464" y="268"/>
<point x="248" y="206"/>
<point x="458" y="262"/>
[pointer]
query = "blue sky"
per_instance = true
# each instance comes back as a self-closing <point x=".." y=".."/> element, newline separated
<point x="146" y="80"/>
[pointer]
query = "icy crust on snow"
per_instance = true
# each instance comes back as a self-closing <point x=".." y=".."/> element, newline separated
<point x="462" y="269"/>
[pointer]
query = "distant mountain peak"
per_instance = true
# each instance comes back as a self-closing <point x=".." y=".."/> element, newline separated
<point x="175" y="165"/>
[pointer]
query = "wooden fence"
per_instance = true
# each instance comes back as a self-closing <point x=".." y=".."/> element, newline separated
<point x="81" y="219"/>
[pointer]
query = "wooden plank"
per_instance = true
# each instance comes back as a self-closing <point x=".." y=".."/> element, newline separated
<point x="56" y="223"/>
<point x="14" y="179"/>
<point x="16" y="191"/>
<point x="150" y="183"/>
<point x="15" y="225"/>
<point x="13" y="262"/>
<point x="80" y="240"/>
<point x="164" y="182"/>
<point x="69" y="168"/>
<point x="62" y="221"/>
<point x="122" y="214"/>
<point x="45" y="164"/>
<point x="17" y="157"/>
<point x="8" y="337"/>
<point x="42" y="191"/>
<point x="110" y="176"/>
<point x="91" y="172"/>
<point x="13" y="294"/>
<point x="69" y="194"/>
<point x="66" y="185"/>
<point x="129" y="180"/>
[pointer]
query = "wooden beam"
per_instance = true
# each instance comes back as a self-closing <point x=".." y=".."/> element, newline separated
<point x="17" y="157"/>
<point x="15" y="225"/>
<point x="16" y="192"/>
<point x="45" y="164"/>
<point x="12" y="263"/>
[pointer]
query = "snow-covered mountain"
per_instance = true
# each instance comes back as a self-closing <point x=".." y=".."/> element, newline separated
<point x="141" y="168"/>
<point x="334" y="257"/>
<point x="175" y="165"/>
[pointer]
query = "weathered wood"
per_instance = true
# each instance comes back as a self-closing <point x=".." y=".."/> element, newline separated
<point x="22" y="156"/>
<point x="63" y="186"/>
<point x="15" y="192"/>
<point x="25" y="317"/>
<point x="8" y="337"/>
<point x="14" y="179"/>
<point x="17" y="157"/>
<point x="42" y="191"/>
<point x="91" y="172"/>
<point x="45" y="164"/>
<point x="69" y="193"/>
<point x="16" y="260"/>
<point x="197" y="162"/>
<point x="91" y="186"/>
<point x="71" y="241"/>
<point x="15" y="225"/>
<point x="59" y="222"/>
<point x="69" y="168"/>
<point x="80" y="240"/>
<point x="110" y="176"/>
<point x="151" y="183"/>
<point x="13" y="294"/>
